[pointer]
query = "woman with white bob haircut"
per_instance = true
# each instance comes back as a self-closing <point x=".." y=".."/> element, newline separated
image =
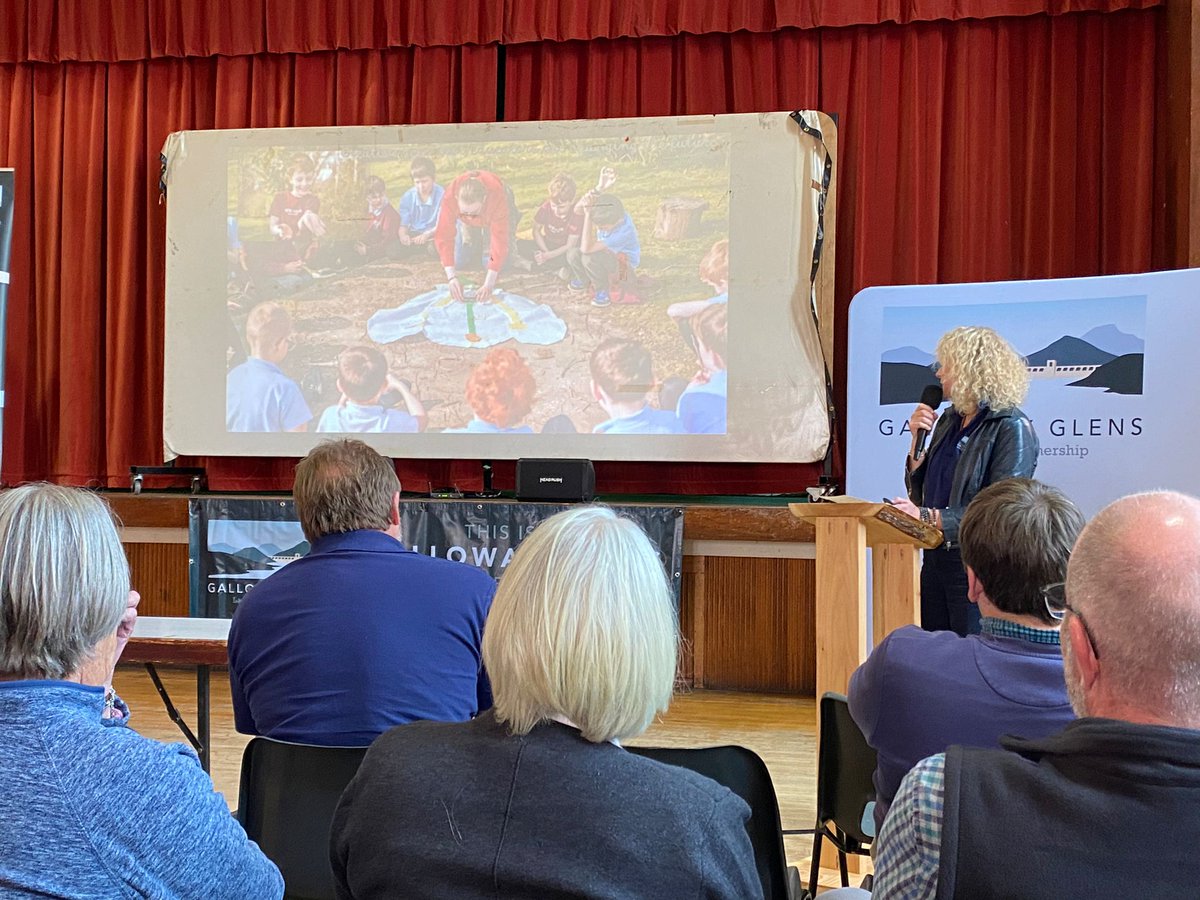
<point x="89" y="807"/>
<point x="536" y="797"/>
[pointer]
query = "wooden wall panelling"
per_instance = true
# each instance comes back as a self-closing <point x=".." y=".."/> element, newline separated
<point x="759" y="619"/>
<point x="149" y="510"/>
<point x="693" y="585"/>
<point x="701" y="522"/>
<point x="159" y="572"/>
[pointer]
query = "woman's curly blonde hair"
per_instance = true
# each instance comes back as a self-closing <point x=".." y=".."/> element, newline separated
<point x="986" y="370"/>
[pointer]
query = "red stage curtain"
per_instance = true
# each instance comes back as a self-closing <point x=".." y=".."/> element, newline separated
<point x="87" y="31"/>
<point x="996" y="148"/>
<point x="668" y="76"/>
<point x="133" y="30"/>
<point x="709" y="73"/>
<point x="85" y="326"/>
<point x="570" y="20"/>
<point x="984" y="150"/>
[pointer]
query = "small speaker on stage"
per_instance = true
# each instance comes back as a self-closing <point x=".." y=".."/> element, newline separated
<point x="558" y="480"/>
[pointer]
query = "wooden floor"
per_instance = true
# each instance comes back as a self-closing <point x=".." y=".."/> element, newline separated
<point x="780" y="729"/>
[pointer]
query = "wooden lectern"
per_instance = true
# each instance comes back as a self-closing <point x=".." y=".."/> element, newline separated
<point x="845" y="529"/>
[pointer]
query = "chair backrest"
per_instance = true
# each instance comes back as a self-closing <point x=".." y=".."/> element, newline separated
<point x="845" y="767"/>
<point x="744" y="773"/>
<point x="286" y="802"/>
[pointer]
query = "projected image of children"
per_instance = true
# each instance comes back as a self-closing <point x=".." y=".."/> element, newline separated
<point x="571" y="286"/>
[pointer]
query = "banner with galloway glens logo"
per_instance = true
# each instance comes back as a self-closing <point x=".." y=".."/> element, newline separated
<point x="1112" y="367"/>
<point x="236" y="543"/>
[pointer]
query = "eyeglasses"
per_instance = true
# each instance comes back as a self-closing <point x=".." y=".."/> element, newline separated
<point x="1057" y="606"/>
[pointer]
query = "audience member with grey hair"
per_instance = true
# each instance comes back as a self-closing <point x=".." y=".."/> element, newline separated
<point x="89" y="807"/>
<point x="537" y="798"/>
<point x="362" y="633"/>
<point x="1109" y="806"/>
<point x="920" y="691"/>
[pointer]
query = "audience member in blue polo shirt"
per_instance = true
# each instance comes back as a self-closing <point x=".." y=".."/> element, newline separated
<point x="361" y="634"/>
<point x="921" y="691"/>
<point x="702" y="405"/>
<point x="258" y="396"/>
<point x="622" y="380"/>
<point x="364" y="379"/>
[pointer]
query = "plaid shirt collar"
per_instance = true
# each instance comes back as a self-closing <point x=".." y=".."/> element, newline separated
<point x="1005" y="629"/>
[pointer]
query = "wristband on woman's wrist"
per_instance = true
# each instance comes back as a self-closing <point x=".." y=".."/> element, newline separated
<point x="926" y="515"/>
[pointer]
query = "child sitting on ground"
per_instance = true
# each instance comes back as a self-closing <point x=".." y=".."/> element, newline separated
<point x="556" y="224"/>
<point x="609" y="248"/>
<point x="500" y="392"/>
<point x="419" y="207"/>
<point x="363" y="379"/>
<point x="258" y="396"/>
<point x="702" y="405"/>
<point x="622" y="380"/>
<point x="295" y="218"/>
<point x="381" y="237"/>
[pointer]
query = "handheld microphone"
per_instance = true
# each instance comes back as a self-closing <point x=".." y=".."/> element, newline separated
<point x="932" y="397"/>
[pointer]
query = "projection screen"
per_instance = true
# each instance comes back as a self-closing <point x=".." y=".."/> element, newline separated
<point x="638" y="289"/>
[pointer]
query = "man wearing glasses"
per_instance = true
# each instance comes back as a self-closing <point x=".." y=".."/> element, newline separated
<point x="1109" y="806"/>
<point x="920" y="691"/>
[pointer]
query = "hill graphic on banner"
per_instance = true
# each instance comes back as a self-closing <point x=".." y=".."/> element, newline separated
<point x="913" y="355"/>
<point x="1114" y="340"/>
<point x="1121" y="376"/>
<point x="1070" y="351"/>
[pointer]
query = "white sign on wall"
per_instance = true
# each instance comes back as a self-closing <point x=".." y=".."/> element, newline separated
<point x="1114" y="381"/>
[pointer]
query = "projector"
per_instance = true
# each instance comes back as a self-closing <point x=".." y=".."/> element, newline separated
<point x="560" y="480"/>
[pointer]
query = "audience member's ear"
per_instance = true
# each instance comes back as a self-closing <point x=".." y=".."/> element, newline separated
<point x="974" y="586"/>
<point x="1086" y="664"/>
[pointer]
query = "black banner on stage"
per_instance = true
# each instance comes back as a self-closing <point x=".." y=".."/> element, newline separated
<point x="235" y="543"/>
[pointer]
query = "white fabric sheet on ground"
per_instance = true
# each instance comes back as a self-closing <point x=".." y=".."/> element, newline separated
<point x="444" y="320"/>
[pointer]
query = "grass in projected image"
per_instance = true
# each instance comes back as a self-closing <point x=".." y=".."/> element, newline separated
<point x="319" y="237"/>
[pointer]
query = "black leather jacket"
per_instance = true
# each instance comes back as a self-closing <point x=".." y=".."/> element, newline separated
<point x="1003" y="446"/>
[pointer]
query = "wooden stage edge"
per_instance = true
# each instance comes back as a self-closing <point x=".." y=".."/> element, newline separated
<point x="747" y="621"/>
<point x="701" y="522"/>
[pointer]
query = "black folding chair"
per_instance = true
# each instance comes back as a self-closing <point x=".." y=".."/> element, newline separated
<point x="744" y="773"/>
<point x="286" y="801"/>
<point x="845" y="766"/>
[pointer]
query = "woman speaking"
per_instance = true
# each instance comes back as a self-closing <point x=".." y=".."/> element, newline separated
<point x="983" y="438"/>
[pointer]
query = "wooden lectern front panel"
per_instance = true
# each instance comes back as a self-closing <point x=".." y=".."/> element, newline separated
<point x="841" y="620"/>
